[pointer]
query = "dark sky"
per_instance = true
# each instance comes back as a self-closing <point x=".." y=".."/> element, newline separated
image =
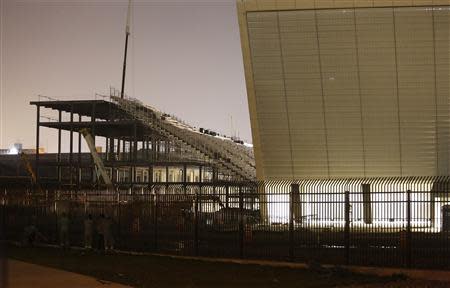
<point x="184" y="58"/>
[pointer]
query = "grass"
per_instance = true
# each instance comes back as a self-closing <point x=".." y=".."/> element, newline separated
<point x="160" y="271"/>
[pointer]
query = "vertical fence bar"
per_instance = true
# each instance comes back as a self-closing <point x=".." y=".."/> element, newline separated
<point x="4" y="214"/>
<point x="196" y="223"/>
<point x="294" y="189"/>
<point x="227" y="194"/>
<point x="347" y="227"/>
<point x="38" y="125"/>
<point x="241" y="223"/>
<point x="155" y="222"/>
<point x="408" y="229"/>
<point x="56" y="216"/>
<point x="3" y="239"/>
<point x="119" y="216"/>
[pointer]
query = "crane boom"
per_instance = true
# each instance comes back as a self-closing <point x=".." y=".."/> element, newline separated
<point x="127" y="34"/>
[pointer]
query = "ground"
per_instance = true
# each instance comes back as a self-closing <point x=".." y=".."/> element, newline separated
<point x="159" y="271"/>
<point x="26" y="275"/>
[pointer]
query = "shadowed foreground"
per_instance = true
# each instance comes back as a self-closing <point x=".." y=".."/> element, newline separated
<point x="25" y="275"/>
<point x="158" y="271"/>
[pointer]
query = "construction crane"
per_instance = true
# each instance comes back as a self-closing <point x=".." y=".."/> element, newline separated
<point x="127" y="35"/>
<point x="97" y="160"/>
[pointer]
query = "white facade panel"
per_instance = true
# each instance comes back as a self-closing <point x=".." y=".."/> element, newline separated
<point x="350" y="92"/>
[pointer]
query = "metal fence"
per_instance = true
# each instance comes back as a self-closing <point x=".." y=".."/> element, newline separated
<point x="403" y="222"/>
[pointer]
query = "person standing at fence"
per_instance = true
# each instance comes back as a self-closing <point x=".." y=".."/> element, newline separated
<point x="64" y="230"/>
<point x="100" y="227"/>
<point x="31" y="234"/>
<point x="88" y="231"/>
<point x="108" y="234"/>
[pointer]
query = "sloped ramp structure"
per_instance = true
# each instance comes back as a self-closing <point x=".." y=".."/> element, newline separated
<point x="225" y="153"/>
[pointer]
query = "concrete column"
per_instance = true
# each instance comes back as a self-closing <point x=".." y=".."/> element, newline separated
<point x="38" y="125"/>
<point x="295" y="203"/>
<point x="367" y="204"/>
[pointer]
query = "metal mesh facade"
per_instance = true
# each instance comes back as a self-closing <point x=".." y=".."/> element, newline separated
<point x="348" y="92"/>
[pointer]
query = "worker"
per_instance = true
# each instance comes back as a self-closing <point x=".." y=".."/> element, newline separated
<point x="88" y="231"/>
<point x="100" y="227"/>
<point x="64" y="230"/>
<point x="108" y="234"/>
<point x="31" y="234"/>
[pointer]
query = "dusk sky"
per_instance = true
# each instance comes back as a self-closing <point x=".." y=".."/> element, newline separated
<point x="184" y="58"/>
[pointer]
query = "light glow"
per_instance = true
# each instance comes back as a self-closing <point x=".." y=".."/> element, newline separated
<point x="13" y="151"/>
<point x="325" y="208"/>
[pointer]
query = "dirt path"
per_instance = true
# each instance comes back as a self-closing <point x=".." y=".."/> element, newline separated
<point x="25" y="275"/>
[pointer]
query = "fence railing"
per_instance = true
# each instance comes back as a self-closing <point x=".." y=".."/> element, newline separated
<point x="385" y="222"/>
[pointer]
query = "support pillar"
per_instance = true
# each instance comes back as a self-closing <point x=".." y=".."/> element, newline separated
<point x="150" y="174"/>
<point x="112" y="159"/>
<point x="292" y="216"/>
<point x="38" y="125"/>
<point x="146" y="149"/>
<point x="214" y="174"/>
<point x="367" y="204"/>
<point x="129" y="160"/>
<point x="79" y="156"/>
<point x="347" y="227"/>
<point x="408" y="230"/>
<point x="71" y="148"/>
<point x="296" y="205"/>
<point x="227" y="196"/>
<point x="241" y="223"/>
<point x="119" y="159"/>
<point x="59" y="147"/>
<point x="135" y="151"/>
<point x="167" y="174"/>
<point x="184" y="179"/>
<point x="93" y="117"/>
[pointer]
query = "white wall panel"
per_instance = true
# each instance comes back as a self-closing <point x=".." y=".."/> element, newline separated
<point x="352" y="92"/>
<point x="269" y="83"/>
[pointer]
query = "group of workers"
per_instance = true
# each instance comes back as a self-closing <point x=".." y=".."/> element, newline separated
<point x="102" y="228"/>
<point x="98" y="233"/>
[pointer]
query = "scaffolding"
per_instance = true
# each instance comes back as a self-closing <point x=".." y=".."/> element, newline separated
<point x="142" y="145"/>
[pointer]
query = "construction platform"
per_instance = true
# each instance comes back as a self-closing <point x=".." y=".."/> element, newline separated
<point x="138" y="145"/>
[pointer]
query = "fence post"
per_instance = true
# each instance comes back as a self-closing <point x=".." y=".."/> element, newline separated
<point x="196" y="207"/>
<point x="227" y="194"/>
<point x="3" y="228"/>
<point x="408" y="229"/>
<point x="294" y="189"/>
<point x="56" y="197"/>
<point x="241" y="223"/>
<point x="3" y="267"/>
<point x="347" y="227"/>
<point x="5" y="215"/>
<point x="155" y="221"/>
<point x="119" y="216"/>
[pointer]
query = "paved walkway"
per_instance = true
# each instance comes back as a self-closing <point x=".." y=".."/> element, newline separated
<point x="25" y="275"/>
<point x="415" y="274"/>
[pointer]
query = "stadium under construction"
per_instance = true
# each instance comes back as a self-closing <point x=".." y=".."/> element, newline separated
<point x="141" y="146"/>
<point x="349" y="111"/>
